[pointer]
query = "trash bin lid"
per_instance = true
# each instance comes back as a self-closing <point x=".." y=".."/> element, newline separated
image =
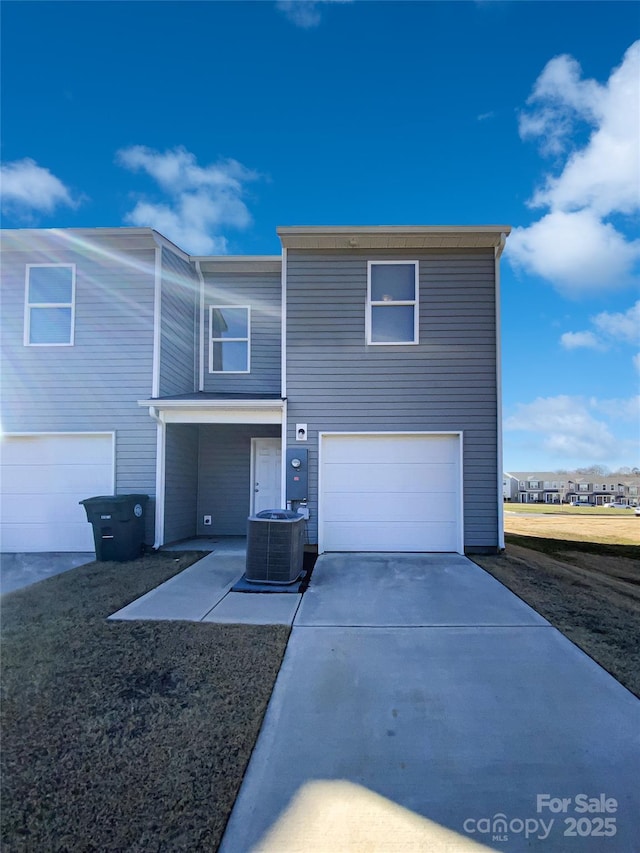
<point x="278" y="515"/>
<point x="115" y="499"/>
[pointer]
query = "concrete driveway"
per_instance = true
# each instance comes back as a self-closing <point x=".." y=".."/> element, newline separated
<point x="20" y="570"/>
<point x="421" y="706"/>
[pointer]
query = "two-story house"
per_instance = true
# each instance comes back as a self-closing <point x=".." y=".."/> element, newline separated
<point x="571" y="487"/>
<point x="355" y="376"/>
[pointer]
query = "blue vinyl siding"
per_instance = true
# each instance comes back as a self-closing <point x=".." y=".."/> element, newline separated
<point x="95" y="384"/>
<point x="262" y="293"/>
<point x="178" y="342"/>
<point x="335" y="382"/>
<point x="224" y="475"/>
<point x="181" y="482"/>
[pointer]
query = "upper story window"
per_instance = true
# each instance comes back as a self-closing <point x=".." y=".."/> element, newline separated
<point x="534" y="484"/>
<point x="392" y="302"/>
<point x="49" y="304"/>
<point x="584" y="487"/>
<point x="229" y="339"/>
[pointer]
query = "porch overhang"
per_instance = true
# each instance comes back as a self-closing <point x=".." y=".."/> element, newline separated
<point x="205" y="409"/>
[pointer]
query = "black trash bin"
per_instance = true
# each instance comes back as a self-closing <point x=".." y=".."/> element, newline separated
<point x="118" y="525"/>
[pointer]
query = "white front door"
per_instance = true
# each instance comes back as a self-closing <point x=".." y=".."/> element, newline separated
<point x="267" y="474"/>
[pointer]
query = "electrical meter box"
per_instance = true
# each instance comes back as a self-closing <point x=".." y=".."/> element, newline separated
<point x="297" y="474"/>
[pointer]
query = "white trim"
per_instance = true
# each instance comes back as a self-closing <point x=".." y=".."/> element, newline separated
<point x="283" y="484"/>
<point x="157" y="319"/>
<point x="456" y="433"/>
<point x="283" y="326"/>
<point x="246" y="308"/>
<point x="212" y="405"/>
<point x="252" y="475"/>
<point x="162" y="241"/>
<point x="230" y="415"/>
<point x="414" y="303"/>
<point x="29" y="305"/>
<point x="202" y="330"/>
<point x="221" y="412"/>
<point x="499" y="448"/>
<point x="161" y="445"/>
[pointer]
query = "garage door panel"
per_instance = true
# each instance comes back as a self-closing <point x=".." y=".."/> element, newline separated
<point x="387" y="477"/>
<point x="63" y="479"/>
<point x="375" y="449"/>
<point x="374" y="536"/>
<point x="52" y="509"/>
<point x="390" y="492"/>
<point x="403" y="507"/>
<point x="43" y="479"/>
<point x="52" y="449"/>
<point x="76" y="537"/>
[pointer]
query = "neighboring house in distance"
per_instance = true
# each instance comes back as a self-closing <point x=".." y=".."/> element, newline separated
<point x="509" y="487"/>
<point x="355" y="376"/>
<point x="570" y="487"/>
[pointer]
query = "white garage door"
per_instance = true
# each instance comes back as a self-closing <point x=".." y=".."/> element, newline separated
<point x="43" y="478"/>
<point x="381" y="492"/>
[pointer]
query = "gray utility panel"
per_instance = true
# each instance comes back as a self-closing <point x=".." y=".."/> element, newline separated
<point x="297" y="474"/>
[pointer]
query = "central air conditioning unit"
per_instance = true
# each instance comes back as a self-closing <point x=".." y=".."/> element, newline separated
<point x="275" y="546"/>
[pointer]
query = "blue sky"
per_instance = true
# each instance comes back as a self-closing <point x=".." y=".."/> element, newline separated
<point x="217" y="122"/>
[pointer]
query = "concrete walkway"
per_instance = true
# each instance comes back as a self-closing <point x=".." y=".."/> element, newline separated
<point x="202" y="593"/>
<point x="423" y="707"/>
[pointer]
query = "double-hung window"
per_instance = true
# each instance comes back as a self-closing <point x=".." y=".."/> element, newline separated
<point x="229" y="339"/>
<point x="49" y="304"/>
<point x="392" y="302"/>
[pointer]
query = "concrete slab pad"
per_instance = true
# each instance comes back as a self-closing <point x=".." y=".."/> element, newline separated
<point x="189" y="595"/>
<point x="408" y="589"/>
<point x="447" y="726"/>
<point x="255" y="609"/>
<point x="21" y="570"/>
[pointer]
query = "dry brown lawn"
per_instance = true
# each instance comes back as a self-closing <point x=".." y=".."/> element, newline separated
<point x="576" y="528"/>
<point x="582" y="573"/>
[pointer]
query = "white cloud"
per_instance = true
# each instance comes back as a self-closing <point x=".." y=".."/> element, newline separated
<point x="565" y="430"/>
<point x="623" y="327"/>
<point x="573" y="245"/>
<point x="28" y="188"/>
<point x="202" y="201"/>
<point x="619" y="409"/>
<point x="576" y="251"/>
<point x="304" y="13"/>
<point x="611" y="329"/>
<point x="485" y="116"/>
<point x="576" y="340"/>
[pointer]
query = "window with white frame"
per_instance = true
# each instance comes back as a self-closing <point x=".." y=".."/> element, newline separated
<point x="392" y="302"/>
<point x="50" y="291"/>
<point x="229" y="338"/>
